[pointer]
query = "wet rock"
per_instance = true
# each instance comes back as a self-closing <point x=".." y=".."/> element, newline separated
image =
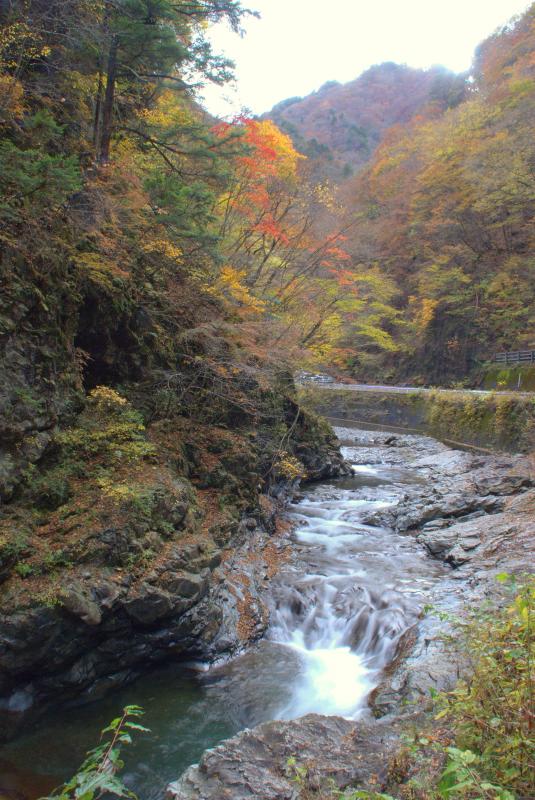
<point x="436" y="524"/>
<point x="438" y="542"/>
<point x="184" y="585"/>
<point x="473" y="515"/>
<point x="457" y="556"/>
<point x="106" y="592"/>
<point x="332" y="751"/>
<point x="464" y="541"/>
<point x="503" y="484"/>
<point x="450" y="462"/>
<point x="26" y="638"/>
<point x="447" y="506"/>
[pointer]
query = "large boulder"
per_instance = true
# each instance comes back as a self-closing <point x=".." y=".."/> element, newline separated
<point x="327" y="752"/>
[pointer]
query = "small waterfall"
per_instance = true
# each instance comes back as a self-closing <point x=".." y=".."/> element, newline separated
<point x="335" y="610"/>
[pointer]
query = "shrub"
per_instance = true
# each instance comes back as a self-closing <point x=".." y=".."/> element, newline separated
<point x="98" y="775"/>
<point x="288" y="467"/>
<point x="51" y="491"/>
<point x="109" y="430"/>
<point x="493" y="711"/>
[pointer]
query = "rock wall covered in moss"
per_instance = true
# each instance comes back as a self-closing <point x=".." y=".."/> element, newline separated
<point x="519" y="378"/>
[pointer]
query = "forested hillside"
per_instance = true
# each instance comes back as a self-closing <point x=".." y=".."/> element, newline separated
<point x="441" y="213"/>
<point x="416" y="267"/>
<point x="446" y="209"/>
<point x="136" y="235"/>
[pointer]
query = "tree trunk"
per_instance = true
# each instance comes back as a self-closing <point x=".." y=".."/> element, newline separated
<point x="107" y="111"/>
<point x="98" y="110"/>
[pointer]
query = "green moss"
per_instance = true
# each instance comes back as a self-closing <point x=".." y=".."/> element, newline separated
<point x="506" y="422"/>
<point x="515" y="378"/>
<point x="107" y="436"/>
<point x="109" y="430"/>
<point x="13" y="547"/>
<point x="55" y="559"/>
<point x="23" y="569"/>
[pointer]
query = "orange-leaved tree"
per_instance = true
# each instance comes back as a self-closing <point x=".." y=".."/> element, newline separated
<point x="276" y="244"/>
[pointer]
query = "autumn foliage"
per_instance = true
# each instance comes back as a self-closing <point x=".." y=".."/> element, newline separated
<point x="114" y="183"/>
<point x="444" y="214"/>
<point x="282" y="260"/>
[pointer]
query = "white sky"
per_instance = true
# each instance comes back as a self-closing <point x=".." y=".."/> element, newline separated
<point x="300" y="44"/>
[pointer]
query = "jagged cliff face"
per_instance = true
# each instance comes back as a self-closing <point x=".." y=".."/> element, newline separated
<point x="342" y="124"/>
<point x="145" y="456"/>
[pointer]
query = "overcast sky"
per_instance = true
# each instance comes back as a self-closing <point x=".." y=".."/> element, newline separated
<point x="298" y="45"/>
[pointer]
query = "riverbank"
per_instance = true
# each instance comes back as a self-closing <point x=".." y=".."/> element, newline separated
<point x="129" y="543"/>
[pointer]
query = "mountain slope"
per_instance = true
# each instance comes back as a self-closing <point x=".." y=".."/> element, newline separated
<point x="344" y="123"/>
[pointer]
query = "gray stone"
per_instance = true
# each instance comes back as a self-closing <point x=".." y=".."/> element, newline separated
<point x="333" y="752"/>
<point x="147" y="604"/>
<point x="184" y="585"/>
<point x="78" y="603"/>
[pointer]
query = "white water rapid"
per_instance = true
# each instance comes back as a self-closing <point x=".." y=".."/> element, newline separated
<point x="341" y="604"/>
<point x="352" y="592"/>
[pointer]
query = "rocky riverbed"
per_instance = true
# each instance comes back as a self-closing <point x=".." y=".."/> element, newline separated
<point x="327" y="656"/>
<point x="472" y="513"/>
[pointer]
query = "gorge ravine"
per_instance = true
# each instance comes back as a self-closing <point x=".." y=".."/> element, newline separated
<point x="355" y="574"/>
<point x="419" y="523"/>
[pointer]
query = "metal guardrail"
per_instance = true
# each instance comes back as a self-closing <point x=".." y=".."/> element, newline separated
<point x="516" y="357"/>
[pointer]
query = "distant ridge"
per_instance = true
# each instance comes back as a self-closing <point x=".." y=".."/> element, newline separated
<point x="342" y="123"/>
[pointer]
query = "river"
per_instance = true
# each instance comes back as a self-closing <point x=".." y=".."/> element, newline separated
<point x="338" y="609"/>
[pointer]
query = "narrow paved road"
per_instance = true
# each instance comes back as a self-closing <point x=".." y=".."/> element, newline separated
<point x="369" y="387"/>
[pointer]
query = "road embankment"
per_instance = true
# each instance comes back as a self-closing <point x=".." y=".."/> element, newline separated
<point x="498" y="421"/>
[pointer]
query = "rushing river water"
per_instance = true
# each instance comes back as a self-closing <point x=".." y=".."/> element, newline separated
<point x="339" y="608"/>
